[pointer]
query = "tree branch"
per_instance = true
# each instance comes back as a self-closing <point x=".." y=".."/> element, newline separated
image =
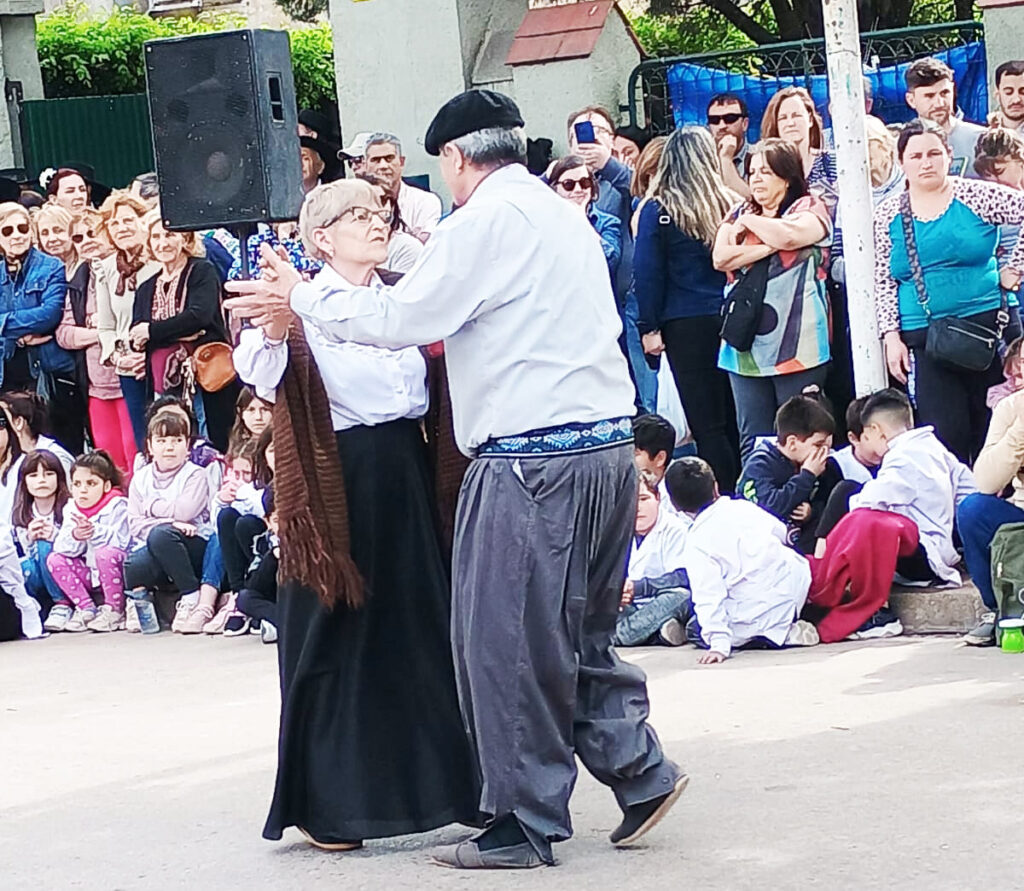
<point x="741" y="20"/>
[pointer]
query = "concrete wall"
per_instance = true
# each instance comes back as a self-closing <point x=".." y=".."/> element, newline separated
<point x="548" y="93"/>
<point x="397" y="63"/>
<point x="1004" y="37"/>
<point x="18" y="62"/>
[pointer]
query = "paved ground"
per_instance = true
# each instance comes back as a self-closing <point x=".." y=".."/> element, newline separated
<point x="130" y="763"/>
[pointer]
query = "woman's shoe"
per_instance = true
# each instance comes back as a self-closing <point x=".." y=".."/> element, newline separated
<point x="336" y="846"/>
<point x="181" y="613"/>
<point x="196" y="620"/>
<point x="220" y="620"/>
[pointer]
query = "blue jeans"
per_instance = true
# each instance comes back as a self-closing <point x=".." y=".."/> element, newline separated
<point x="134" y="392"/>
<point x="638" y="624"/>
<point x="38" y="580"/>
<point x="213" y="564"/>
<point x="978" y="519"/>
<point x="646" y="377"/>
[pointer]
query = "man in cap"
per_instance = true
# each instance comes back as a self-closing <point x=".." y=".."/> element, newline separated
<point x="355" y="152"/>
<point x="515" y="284"/>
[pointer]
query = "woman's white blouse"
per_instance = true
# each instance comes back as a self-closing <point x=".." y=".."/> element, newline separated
<point x="365" y="385"/>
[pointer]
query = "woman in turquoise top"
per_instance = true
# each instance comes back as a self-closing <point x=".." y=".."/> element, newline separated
<point x="791" y="349"/>
<point x="956" y="227"/>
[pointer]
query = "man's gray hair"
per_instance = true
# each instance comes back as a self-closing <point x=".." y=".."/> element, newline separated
<point x="381" y="137"/>
<point x="149" y="186"/>
<point x="493" y="147"/>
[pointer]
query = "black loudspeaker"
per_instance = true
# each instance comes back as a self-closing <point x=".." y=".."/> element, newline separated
<point x="225" y="128"/>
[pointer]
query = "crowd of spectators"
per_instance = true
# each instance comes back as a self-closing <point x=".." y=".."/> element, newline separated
<point x="136" y="470"/>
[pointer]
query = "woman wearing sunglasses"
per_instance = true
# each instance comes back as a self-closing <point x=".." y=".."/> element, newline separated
<point x="363" y="599"/>
<point x="32" y="291"/>
<point x="109" y="423"/>
<point x="571" y="179"/>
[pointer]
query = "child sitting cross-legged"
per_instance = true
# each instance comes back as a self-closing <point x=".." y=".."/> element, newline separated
<point x="790" y="477"/>
<point x="90" y="548"/>
<point x="169" y="518"/>
<point x="655" y="597"/>
<point x="747" y="585"/>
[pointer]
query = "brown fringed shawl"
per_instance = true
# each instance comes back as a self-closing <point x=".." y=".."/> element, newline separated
<point x="309" y="488"/>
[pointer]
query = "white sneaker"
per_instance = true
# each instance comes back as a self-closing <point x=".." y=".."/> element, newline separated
<point x="131" y="617"/>
<point x="802" y="634"/>
<point x="58" y="618"/>
<point x="80" y="620"/>
<point x="673" y="633"/>
<point x="107" y="620"/>
<point x="268" y="633"/>
<point x="182" y="611"/>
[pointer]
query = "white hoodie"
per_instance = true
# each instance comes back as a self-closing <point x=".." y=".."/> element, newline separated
<point x="923" y="481"/>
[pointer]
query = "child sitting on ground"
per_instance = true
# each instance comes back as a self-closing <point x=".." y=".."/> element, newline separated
<point x="169" y="518"/>
<point x="258" y="598"/>
<point x="746" y="584"/>
<point x="655" y="596"/>
<point x="857" y="461"/>
<point x="919" y="479"/>
<point x="654" y="441"/>
<point x="92" y="544"/>
<point x="790" y="477"/>
<point x="39" y="504"/>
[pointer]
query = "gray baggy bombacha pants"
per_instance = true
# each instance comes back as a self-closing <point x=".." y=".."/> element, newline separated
<point x="540" y="554"/>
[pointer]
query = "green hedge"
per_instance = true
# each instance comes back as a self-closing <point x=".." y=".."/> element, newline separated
<point x="81" y="55"/>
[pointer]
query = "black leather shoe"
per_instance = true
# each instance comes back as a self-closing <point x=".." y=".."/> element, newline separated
<point x="639" y="819"/>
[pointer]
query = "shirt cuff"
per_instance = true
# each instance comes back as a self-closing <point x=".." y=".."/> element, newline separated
<point x="720" y="643"/>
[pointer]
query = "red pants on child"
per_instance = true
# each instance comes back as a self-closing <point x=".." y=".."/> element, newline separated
<point x="854" y="578"/>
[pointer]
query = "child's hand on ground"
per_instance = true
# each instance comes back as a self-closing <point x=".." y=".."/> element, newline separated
<point x="186" y="529"/>
<point x="711" y="657"/>
<point x="802" y="513"/>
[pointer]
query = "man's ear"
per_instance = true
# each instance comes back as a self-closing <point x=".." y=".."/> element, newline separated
<point x="663" y="459"/>
<point x="909" y="96"/>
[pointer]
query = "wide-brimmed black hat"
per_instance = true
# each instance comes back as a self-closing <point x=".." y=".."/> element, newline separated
<point x="99" y="191"/>
<point x="10" y="189"/>
<point x="326" y="143"/>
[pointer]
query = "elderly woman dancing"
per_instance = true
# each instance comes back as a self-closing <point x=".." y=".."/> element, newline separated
<point x="371" y="739"/>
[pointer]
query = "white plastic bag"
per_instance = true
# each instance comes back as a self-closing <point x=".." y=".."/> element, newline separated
<point x="670" y="406"/>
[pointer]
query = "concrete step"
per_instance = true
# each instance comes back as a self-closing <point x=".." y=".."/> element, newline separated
<point x="937" y="610"/>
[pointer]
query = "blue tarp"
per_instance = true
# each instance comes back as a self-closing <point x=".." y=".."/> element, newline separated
<point x="692" y="86"/>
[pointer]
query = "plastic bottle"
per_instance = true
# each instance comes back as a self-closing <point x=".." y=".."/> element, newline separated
<point x="146" y="610"/>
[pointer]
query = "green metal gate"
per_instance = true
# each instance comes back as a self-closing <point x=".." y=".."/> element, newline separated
<point x="111" y="133"/>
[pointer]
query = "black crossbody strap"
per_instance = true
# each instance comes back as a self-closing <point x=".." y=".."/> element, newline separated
<point x="907" y="217"/>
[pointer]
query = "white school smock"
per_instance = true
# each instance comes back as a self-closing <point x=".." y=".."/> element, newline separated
<point x="660" y="551"/>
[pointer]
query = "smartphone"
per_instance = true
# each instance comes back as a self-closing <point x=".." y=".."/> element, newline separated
<point x="585" y="132"/>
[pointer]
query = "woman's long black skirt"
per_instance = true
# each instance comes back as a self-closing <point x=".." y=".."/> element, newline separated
<point x="372" y="742"/>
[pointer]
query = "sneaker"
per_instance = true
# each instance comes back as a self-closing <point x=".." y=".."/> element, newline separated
<point x="107" y="620"/>
<point x="59" y="616"/>
<point x="802" y="634"/>
<point x="984" y="635"/>
<point x="884" y="623"/>
<point x="131" y="617"/>
<point x="672" y="633"/>
<point x="182" y="611"/>
<point x="268" y="633"/>
<point x="237" y="625"/>
<point x="196" y="620"/>
<point x="217" y="624"/>
<point x="80" y="620"/>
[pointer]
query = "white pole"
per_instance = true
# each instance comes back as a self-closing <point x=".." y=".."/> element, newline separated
<point x="846" y="93"/>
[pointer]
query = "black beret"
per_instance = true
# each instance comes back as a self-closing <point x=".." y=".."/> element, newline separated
<point x="468" y="112"/>
<point x="9" y="189"/>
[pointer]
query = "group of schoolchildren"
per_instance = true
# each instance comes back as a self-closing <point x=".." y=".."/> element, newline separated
<point x="186" y="534"/>
<point x="808" y="547"/>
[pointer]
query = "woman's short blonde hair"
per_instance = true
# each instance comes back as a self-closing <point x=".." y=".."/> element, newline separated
<point x="877" y="131"/>
<point x="10" y="209"/>
<point x="193" y="246"/>
<point x="87" y="216"/>
<point x="326" y="203"/>
<point x="121" y="198"/>
<point x="52" y="213"/>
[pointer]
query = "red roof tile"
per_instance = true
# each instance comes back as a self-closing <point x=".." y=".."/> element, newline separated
<point x="560" y="32"/>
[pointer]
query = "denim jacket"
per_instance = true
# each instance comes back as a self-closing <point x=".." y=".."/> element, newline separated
<point x="33" y="303"/>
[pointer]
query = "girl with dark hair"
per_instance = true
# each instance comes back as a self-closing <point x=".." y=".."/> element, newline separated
<point x="38" y="513"/>
<point x="790" y="229"/>
<point x="29" y="415"/>
<point x="90" y="549"/>
<point x="252" y="416"/>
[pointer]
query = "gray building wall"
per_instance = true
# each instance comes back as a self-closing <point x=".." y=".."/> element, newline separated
<point x="18" y="62"/>
<point x="1004" y="37"/>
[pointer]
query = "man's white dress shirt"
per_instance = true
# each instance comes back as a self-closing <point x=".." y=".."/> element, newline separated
<point x="420" y="210"/>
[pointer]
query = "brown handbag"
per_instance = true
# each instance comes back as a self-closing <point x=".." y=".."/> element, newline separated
<point x="213" y="366"/>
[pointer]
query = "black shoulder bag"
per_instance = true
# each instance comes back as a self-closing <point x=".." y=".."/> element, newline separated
<point x="956" y="342"/>
<point x="742" y="309"/>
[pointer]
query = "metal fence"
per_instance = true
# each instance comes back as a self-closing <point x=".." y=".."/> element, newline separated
<point x="111" y="133"/>
<point x="649" y="86"/>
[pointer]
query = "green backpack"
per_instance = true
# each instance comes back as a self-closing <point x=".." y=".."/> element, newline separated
<point x="1008" y="570"/>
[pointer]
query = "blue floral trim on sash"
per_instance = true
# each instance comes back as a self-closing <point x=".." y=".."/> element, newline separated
<point x="571" y="439"/>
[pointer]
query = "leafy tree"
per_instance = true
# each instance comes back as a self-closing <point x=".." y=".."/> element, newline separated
<point x="304" y="10"/>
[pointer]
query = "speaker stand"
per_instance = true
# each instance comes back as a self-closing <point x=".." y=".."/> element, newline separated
<point x="243" y="231"/>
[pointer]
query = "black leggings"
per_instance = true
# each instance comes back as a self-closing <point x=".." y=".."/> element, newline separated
<point x="692" y="346"/>
<point x="169" y="556"/>
<point x="258" y="599"/>
<point x="219" y="409"/>
<point x="236" y="534"/>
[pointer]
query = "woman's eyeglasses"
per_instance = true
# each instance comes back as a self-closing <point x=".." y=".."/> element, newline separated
<point x="731" y="118"/>
<point x="79" y="237"/>
<point x="571" y="185"/>
<point x="361" y="215"/>
<point x="8" y="231"/>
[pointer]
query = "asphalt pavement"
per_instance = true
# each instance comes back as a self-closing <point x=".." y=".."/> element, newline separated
<point x="131" y="762"/>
